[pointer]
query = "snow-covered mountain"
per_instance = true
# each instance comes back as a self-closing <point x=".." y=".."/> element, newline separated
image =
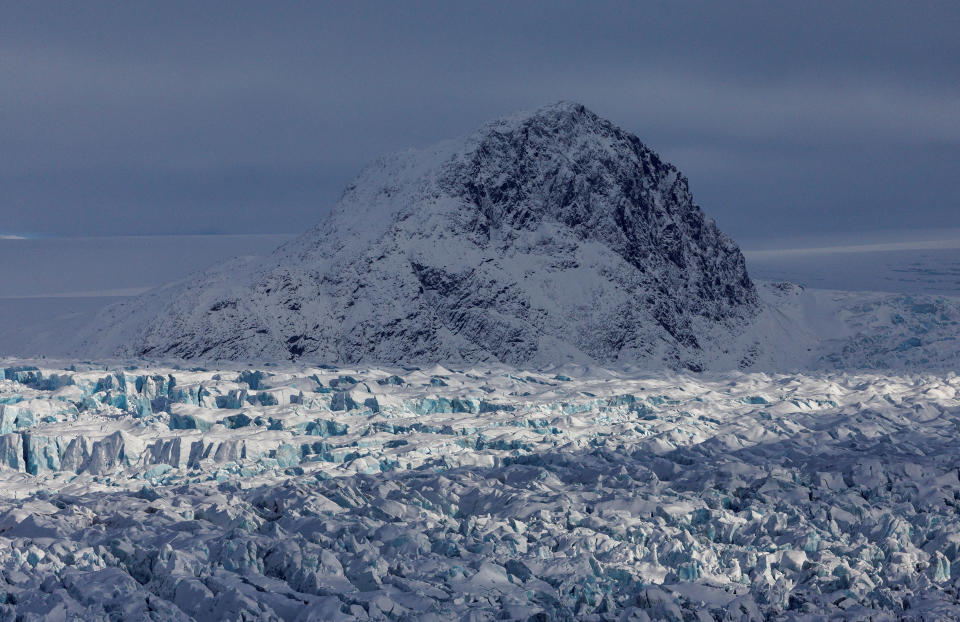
<point x="302" y="491"/>
<point x="549" y="236"/>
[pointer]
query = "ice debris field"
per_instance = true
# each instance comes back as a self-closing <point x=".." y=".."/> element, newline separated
<point x="492" y="493"/>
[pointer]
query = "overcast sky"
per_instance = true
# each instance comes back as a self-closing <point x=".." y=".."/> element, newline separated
<point x="800" y="117"/>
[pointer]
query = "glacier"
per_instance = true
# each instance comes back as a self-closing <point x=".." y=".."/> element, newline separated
<point x="480" y="492"/>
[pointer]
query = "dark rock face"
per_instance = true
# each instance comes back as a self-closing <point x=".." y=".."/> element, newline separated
<point x="551" y="236"/>
<point x="567" y="165"/>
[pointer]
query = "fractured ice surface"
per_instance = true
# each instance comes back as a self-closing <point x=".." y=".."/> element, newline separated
<point x="497" y="493"/>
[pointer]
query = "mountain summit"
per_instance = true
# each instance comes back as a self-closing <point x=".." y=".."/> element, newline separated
<point x="545" y="237"/>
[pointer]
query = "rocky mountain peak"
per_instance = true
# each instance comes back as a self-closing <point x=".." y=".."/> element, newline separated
<point x="544" y="237"/>
<point x="564" y="164"/>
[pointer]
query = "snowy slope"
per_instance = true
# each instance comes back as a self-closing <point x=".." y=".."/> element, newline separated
<point x="546" y="237"/>
<point x="809" y="329"/>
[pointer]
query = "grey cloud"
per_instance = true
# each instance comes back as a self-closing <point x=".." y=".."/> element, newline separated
<point x="242" y="116"/>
